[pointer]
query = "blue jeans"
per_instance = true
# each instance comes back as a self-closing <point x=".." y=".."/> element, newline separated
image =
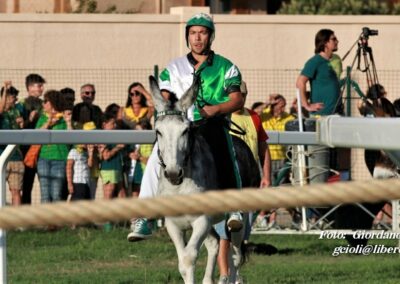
<point x="51" y="177"/>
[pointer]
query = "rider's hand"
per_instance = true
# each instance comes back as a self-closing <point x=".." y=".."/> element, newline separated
<point x="209" y="111"/>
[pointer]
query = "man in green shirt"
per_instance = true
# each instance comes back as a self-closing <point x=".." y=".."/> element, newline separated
<point x="325" y="91"/>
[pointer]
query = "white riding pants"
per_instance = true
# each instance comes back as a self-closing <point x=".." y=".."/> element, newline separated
<point x="149" y="186"/>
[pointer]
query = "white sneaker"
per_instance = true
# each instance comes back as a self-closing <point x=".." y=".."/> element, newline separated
<point x="261" y="222"/>
<point x="223" y="280"/>
<point x="273" y="226"/>
<point x="239" y="280"/>
<point x="235" y="222"/>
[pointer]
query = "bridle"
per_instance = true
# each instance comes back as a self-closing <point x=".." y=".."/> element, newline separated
<point x="175" y="113"/>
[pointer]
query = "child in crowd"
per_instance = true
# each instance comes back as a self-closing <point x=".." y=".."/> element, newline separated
<point x="79" y="162"/>
<point x="139" y="156"/>
<point x="111" y="161"/>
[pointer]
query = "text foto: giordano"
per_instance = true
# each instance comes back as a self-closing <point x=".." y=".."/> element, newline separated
<point x="360" y="234"/>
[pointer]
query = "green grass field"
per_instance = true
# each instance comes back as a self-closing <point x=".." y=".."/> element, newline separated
<point x="94" y="256"/>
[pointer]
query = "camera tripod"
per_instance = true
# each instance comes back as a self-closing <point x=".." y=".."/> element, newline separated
<point x="365" y="64"/>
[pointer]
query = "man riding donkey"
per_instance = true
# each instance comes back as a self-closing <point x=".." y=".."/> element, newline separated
<point x="218" y="96"/>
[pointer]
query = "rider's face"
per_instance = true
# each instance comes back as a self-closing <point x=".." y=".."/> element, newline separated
<point x="198" y="39"/>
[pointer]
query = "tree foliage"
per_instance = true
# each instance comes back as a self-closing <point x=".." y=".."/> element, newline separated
<point x="86" y="6"/>
<point x="90" y="7"/>
<point x="339" y="7"/>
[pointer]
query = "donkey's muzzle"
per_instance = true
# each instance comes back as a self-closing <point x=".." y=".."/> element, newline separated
<point x="175" y="177"/>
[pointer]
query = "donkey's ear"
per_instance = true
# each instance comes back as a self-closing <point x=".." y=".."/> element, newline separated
<point x="188" y="99"/>
<point x="159" y="101"/>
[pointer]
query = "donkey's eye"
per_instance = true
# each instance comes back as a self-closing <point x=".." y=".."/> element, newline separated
<point x="158" y="133"/>
<point x="185" y="132"/>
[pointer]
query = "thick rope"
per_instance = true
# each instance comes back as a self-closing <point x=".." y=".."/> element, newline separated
<point x="211" y="202"/>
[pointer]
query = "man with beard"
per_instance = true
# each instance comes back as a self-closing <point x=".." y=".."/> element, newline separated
<point x="325" y="91"/>
<point x="87" y="111"/>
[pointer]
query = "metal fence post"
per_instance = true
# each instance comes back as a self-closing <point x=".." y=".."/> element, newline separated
<point x="3" y="162"/>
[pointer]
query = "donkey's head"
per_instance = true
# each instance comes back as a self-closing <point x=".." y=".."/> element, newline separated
<point x="172" y="130"/>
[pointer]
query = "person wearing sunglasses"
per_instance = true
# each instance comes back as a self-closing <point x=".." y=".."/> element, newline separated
<point x="325" y="99"/>
<point x="52" y="157"/>
<point x="325" y="91"/>
<point x="86" y="110"/>
<point x="139" y="106"/>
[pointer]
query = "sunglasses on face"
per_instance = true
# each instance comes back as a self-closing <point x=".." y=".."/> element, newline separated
<point x="136" y="93"/>
<point x="89" y="93"/>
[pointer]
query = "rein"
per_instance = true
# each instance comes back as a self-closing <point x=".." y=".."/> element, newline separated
<point x="239" y="131"/>
<point x="226" y="123"/>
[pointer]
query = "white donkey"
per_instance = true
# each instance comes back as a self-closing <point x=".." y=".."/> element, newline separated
<point x="187" y="167"/>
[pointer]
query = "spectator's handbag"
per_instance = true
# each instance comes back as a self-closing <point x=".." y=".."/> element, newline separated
<point x="32" y="156"/>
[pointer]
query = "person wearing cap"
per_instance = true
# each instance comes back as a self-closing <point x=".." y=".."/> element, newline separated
<point x="11" y="118"/>
<point x="219" y="95"/>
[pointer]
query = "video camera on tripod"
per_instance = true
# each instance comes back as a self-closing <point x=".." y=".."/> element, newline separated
<point x="367" y="32"/>
<point x="365" y="57"/>
<point x="365" y="52"/>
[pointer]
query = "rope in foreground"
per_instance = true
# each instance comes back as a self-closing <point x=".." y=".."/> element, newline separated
<point x="211" y="202"/>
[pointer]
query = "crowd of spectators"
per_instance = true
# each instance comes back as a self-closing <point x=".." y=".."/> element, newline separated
<point x="72" y="172"/>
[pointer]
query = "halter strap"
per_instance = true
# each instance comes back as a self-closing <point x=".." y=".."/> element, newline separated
<point x="160" y="159"/>
<point x="171" y="112"/>
<point x="187" y="156"/>
<point x="165" y="113"/>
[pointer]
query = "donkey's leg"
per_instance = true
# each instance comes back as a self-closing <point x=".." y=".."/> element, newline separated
<point x="212" y="244"/>
<point x="201" y="227"/>
<point x="177" y="237"/>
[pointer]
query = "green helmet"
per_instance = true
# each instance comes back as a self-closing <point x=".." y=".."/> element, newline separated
<point x="201" y="19"/>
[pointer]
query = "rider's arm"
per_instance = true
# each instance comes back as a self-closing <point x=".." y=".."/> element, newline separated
<point x="236" y="102"/>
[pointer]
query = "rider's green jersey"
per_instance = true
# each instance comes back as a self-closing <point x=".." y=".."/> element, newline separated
<point x="219" y="78"/>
